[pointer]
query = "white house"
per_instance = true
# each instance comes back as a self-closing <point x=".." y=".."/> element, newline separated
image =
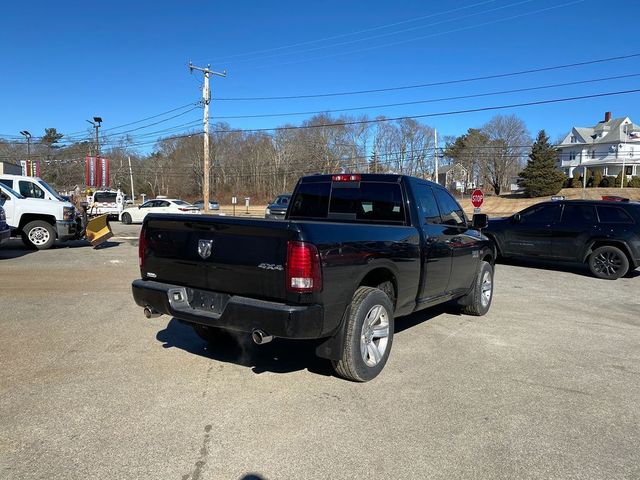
<point x="608" y="146"/>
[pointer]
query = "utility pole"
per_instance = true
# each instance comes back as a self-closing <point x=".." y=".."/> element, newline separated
<point x="435" y="153"/>
<point x="133" y="197"/>
<point x="206" y="99"/>
<point x="624" y="174"/>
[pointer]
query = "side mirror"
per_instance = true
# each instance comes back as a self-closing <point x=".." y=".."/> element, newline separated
<point x="4" y="196"/>
<point x="139" y="207"/>
<point x="516" y="218"/>
<point x="480" y="221"/>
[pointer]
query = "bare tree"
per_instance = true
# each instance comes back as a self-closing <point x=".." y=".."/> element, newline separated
<point x="505" y="153"/>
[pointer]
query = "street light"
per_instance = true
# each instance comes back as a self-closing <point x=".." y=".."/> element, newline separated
<point x="97" y="123"/>
<point x="27" y="136"/>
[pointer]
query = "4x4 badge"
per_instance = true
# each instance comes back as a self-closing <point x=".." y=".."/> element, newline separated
<point x="204" y="248"/>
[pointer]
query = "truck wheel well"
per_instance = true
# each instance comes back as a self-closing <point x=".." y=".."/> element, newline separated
<point x="610" y="243"/>
<point x="379" y="276"/>
<point x="29" y="217"/>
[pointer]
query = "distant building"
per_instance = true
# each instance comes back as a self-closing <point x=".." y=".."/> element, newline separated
<point x="9" y="168"/>
<point x="607" y="146"/>
<point x="454" y="177"/>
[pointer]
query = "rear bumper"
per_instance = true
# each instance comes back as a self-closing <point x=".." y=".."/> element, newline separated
<point x="239" y="313"/>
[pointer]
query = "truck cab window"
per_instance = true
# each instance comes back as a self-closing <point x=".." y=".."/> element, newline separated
<point x="30" y="190"/>
<point x="450" y="211"/>
<point x="427" y="205"/>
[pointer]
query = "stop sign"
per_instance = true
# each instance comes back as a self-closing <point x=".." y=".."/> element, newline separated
<point x="477" y="197"/>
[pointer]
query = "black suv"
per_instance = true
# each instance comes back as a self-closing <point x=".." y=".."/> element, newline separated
<point x="604" y="234"/>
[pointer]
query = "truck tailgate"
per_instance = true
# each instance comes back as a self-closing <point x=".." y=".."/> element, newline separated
<point x="247" y="256"/>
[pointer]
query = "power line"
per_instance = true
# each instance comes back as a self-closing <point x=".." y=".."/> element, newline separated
<point x="438" y="114"/>
<point x="434" y="84"/>
<point x="397" y="32"/>
<point x="399" y="42"/>
<point x="433" y="100"/>
<point x="358" y="32"/>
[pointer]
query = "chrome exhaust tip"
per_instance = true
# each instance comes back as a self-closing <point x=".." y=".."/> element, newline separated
<point x="260" y="338"/>
<point x="149" y="312"/>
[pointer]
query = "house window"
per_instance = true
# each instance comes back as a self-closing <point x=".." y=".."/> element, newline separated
<point x="593" y="154"/>
<point x="573" y="139"/>
<point x="628" y="170"/>
<point x="572" y="156"/>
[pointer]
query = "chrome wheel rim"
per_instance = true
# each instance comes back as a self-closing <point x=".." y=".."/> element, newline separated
<point x="39" y="235"/>
<point x="374" y="337"/>
<point x="486" y="289"/>
<point x="607" y="263"/>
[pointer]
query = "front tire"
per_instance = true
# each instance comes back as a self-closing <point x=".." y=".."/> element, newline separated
<point x="478" y="301"/>
<point x="38" y="234"/>
<point x="608" y="263"/>
<point x="368" y="336"/>
<point x="126" y="219"/>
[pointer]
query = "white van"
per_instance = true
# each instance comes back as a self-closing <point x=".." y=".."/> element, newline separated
<point x="30" y="187"/>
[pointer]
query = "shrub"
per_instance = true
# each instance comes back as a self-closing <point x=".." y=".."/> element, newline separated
<point x="576" y="182"/>
<point x="634" y="182"/>
<point x="607" y="182"/>
<point x="597" y="178"/>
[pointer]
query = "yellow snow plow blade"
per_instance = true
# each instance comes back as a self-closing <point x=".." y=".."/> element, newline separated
<point x="98" y="230"/>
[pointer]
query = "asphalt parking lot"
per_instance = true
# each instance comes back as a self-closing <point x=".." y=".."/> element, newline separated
<point x="547" y="385"/>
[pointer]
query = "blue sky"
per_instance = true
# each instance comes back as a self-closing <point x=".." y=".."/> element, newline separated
<point x="65" y="62"/>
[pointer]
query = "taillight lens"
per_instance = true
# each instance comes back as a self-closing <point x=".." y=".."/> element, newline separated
<point x="303" y="268"/>
<point x="346" y="178"/>
<point x="142" y="245"/>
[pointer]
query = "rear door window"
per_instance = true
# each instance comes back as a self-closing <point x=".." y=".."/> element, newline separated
<point x="578" y="215"/>
<point x="609" y="214"/>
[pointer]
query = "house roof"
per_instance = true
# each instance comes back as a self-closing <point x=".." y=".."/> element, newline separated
<point x="605" y="132"/>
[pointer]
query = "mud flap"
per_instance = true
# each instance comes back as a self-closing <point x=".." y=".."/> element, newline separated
<point x="98" y="230"/>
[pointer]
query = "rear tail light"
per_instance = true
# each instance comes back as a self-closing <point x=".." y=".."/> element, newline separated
<point x="303" y="268"/>
<point x="346" y="178"/>
<point x="142" y="245"/>
<point x="182" y="209"/>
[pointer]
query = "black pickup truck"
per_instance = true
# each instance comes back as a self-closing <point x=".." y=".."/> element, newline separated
<point x="353" y="252"/>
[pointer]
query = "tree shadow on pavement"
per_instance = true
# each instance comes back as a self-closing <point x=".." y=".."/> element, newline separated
<point x="278" y="356"/>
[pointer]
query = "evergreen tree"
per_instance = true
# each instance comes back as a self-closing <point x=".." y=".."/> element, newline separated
<point x="597" y="178"/>
<point x="541" y="177"/>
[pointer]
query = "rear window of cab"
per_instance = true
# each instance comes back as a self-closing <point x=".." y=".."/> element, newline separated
<point x="351" y="201"/>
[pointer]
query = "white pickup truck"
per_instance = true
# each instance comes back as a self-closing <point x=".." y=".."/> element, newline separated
<point x="39" y="221"/>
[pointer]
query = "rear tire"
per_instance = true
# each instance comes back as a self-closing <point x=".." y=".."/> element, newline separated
<point x="126" y="219"/>
<point x="608" y="263"/>
<point x="38" y="234"/>
<point x="368" y="336"/>
<point x="478" y="301"/>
